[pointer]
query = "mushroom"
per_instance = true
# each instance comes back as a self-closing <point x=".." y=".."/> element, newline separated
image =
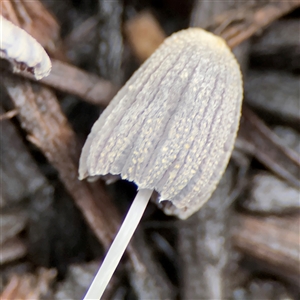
<point x="171" y="129"/>
<point x="22" y="50"/>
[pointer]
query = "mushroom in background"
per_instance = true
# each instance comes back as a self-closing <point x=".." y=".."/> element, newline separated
<point x="22" y="50"/>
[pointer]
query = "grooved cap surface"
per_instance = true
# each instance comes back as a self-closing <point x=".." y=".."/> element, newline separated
<point x="172" y="126"/>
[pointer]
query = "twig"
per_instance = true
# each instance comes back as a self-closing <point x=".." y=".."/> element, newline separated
<point x="70" y="79"/>
<point x="269" y="149"/>
<point x="245" y="24"/>
<point x="8" y="115"/>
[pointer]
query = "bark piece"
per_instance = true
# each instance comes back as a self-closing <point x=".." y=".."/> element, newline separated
<point x="273" y="241"/>
<point x="21" y="180"/>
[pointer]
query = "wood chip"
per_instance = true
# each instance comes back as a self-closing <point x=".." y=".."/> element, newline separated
<point x="273" y="241"/>
<point x="30" y="286"/>
<point x="263" y="289"/>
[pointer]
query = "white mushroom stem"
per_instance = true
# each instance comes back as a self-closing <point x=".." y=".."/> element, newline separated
<point x="119" y="245"/>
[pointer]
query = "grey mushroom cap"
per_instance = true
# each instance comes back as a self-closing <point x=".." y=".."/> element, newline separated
<point x="22" y="50"/>
<point x="172" y="126"/>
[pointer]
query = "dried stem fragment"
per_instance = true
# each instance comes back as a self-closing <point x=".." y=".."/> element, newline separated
<point x="70" y="79"/>
<point x="8" y="115"/>
<point x="268" y="194"/>
<point x="269" y="149"/>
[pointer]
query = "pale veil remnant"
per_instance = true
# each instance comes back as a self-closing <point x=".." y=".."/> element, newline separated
<point x="171" y="129"/>
<point x="22" y="50"/>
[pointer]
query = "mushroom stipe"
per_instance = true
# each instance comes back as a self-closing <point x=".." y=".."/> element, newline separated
<point x="171" y="128"/>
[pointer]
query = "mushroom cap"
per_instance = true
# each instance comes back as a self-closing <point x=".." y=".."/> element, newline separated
<point x="172" y="126"/>
<point x="22" y="50"/>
